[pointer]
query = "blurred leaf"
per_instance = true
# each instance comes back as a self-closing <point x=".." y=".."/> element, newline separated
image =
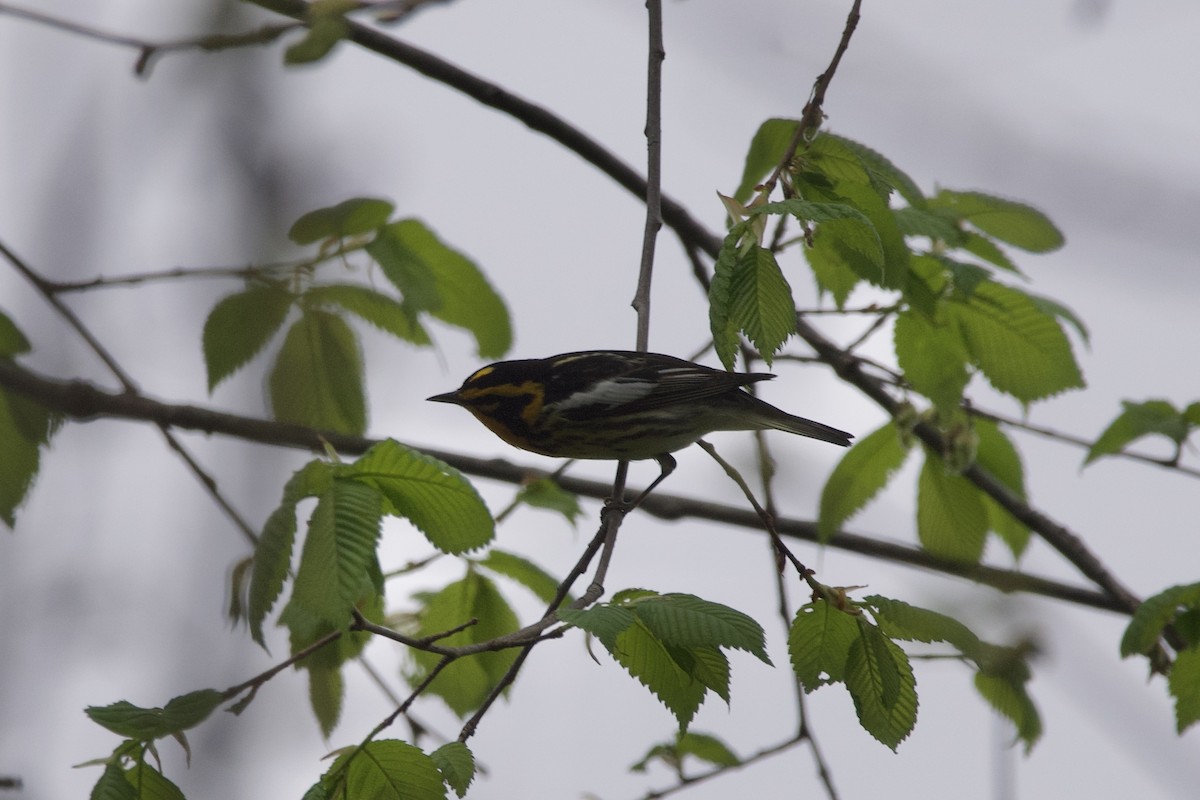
<point x="933" y="358"/>
<point x="239" y="326"/>
<point x="12" y="341"/>
<point x="547" y="494"/>
<point x="442" y="281"/>
<point x="322" y="35"/>
<point x="25" y="428"/>
<point x="899" y="620"/>
<point x="767" y="147"/>
<point x="952" y="521"/>
<point x="150" y="784"/>
<point x="863" y="471"/>
<point x="707" y="748"/>
<point x="113" y="785"/>
<point x="385" y="313"/>
<point x="989" y="251"/>
<point x="326" y="690"/>
<point x="317" y="380"/>
<point x="1156" y="613"/>
<point x="996" y="453"/>
<point x="1011" y="699"/>
<point x="1021" y="350"/>
<point x="468" y="681"/>
<point x="523" y="571"/>
<point x="1184" y="685"/>
<point x="351" y="217"/>
<point x="1016" y="223"/>
<point x="1138" y="420"/>
<point x="880" y="169"/>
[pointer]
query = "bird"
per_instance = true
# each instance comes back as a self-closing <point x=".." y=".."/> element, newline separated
<point x="620" y="405"/>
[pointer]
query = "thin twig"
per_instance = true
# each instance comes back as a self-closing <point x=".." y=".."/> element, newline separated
<point x="692" y="780"/>
<point x="206" y="480"/>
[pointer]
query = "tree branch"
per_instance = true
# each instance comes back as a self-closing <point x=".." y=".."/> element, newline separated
<point x="83" y="401"/>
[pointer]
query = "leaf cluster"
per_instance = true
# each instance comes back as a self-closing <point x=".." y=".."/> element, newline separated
<point x="317" y="377"/>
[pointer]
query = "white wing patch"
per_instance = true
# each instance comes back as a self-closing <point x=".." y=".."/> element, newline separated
<point x="610" y="392"/>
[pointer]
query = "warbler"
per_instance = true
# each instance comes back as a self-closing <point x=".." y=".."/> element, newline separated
<point x="620" y="405"/>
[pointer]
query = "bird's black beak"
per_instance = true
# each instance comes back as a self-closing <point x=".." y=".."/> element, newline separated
<point x="448" y="397"/>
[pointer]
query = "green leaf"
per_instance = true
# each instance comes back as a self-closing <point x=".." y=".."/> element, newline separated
<point x="605" y="622"/>
<point x="989" y="251"/>
<point x="819" y="643"/>
<point x="1010" y="699"/>
<point x="1184" y="685"/>
<point x="933" y="357"/>
<point x="952" y="521"/>
<point x="899" y="620"/>
<point x="822" y="212"/>
<point x="468" y="681"/>
<point x="25" y="428"/>
<point x="457" y="765"/>
<point x="881" y="682"/>
<point x="1156" y="613"/>
<point x="326" y="690"/>
<point x="1021" y="350"/>
<point x="150" y="784"/>
<point x="1015" y="223"/>
<point x="844" y="237"/>
<point x="707" y="748"/>
<point x="938" y="227"/>
<point x="997" y="454"/>
<point x="317" y="380"/>
<point x="339" y="550"/>
<point x="649" y="660"/>
<point x="385" y="313"/>
<point x="273" y="554"/>
<point x="434" y="496"/>
<point x="546" y="493"/>
<point x="756" y="300"/>
<point x="523" y="571"/>
<point x="879" y="168"/>
<point x="863" y="471"/>
<point x="324" y="32"/>
<point x="434" y="277"/>
<point x="239" y="326"/>
<point x="385" y="769"/>
<point x="351" y="217"/>
<point x="767" y="147"/>
<point x="842" y="176"/>
<point x="147" y="724"/>
<point x="113" y="785"/>
<point x="1061" y="312"/>
<point x="688" y="621"/>
<point x="830" y="259"/>
<point x="1138" y="420"/>
<point x="721" y="294"/>
<point x="12" y="341"/>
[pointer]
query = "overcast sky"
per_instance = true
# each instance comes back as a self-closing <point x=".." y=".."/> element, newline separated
<point x="112" y="585"/>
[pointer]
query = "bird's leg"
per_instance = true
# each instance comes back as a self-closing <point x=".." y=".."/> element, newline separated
<point x="667" y="463"/>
